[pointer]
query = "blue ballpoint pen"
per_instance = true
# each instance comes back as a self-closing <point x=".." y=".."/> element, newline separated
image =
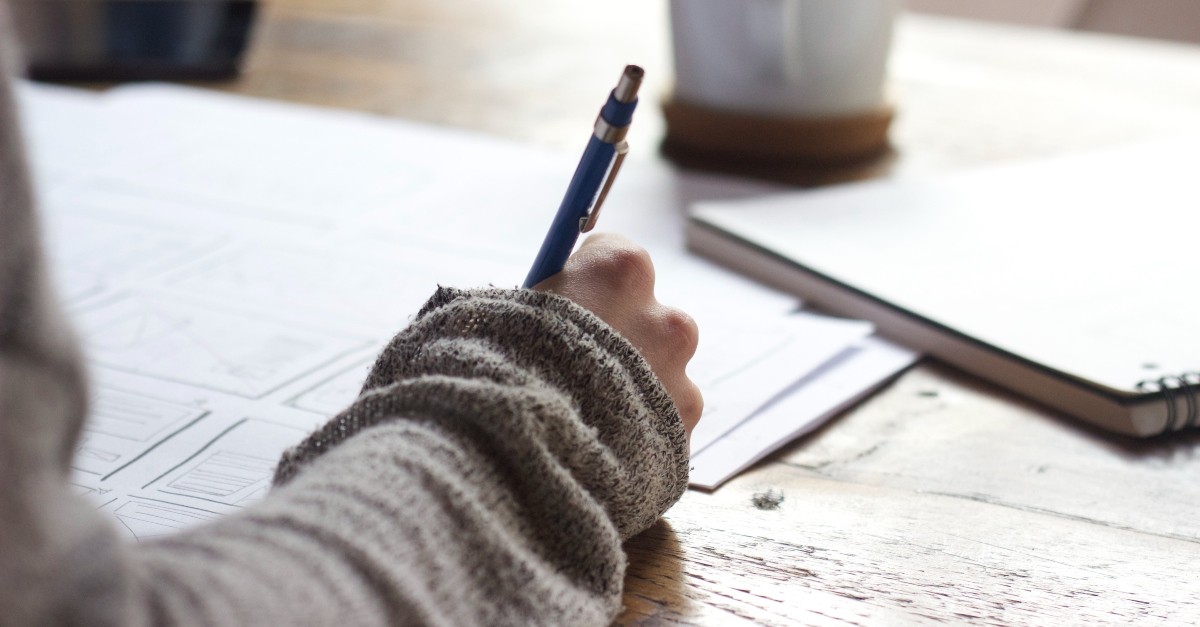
<point x="593" y="177"/>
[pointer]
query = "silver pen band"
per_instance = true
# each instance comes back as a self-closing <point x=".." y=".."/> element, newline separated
<point x="608" y="133"/>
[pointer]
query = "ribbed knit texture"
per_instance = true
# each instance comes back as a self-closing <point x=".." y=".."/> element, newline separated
<point x="503" y="447"/>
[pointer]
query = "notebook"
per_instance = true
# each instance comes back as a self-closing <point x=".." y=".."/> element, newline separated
<point x="1070" y="281"/>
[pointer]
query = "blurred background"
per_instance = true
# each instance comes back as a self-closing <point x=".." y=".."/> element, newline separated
<point x="1166" y="19"/>
<point x="973" y="80"/>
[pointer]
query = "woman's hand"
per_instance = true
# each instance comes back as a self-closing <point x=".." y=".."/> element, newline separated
<point x="614" y="279"/>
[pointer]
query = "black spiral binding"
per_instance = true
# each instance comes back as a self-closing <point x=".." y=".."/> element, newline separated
<point x="1185" y="385"/>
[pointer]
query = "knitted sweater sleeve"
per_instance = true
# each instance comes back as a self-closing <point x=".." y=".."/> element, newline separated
<point x="504" y="445"/>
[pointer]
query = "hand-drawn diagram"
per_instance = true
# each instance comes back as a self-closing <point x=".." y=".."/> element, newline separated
<point x="233" y="469"/>
<point x="100" y="497"/>
<point x="193" y="344"/>
<point x="146" y="518"/>
<point x="377" y="288"/>
<point x="223" y="475"/>
<point x="91" y="248"/>
<point x="123" y="425"/>
<point x="333" y="289"/>
<point x="334" y="394"/>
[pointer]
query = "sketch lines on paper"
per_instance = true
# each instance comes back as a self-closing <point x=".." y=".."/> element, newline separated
<point x="122" y="426"/>
<point x="226" y="473"/>
<point x="224" y="351"/>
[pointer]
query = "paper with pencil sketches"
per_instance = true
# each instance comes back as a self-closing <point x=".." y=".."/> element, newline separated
<point x="233" y="266"/>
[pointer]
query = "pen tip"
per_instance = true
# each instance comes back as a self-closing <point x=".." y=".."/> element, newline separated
<point x="627" y="87"/>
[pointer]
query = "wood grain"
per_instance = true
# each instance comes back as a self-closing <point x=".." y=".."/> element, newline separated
<point x="941" y="499"/>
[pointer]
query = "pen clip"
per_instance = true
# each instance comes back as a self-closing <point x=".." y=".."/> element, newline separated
<point x="589" y="222"/>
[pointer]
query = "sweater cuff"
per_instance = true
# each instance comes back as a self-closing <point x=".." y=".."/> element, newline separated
<point x="524" y="339"/>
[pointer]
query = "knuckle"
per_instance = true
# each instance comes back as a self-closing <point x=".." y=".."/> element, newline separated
<point x="690" y="404"/>
<point x="681" y="330"/>
<point x="630" y="267"/>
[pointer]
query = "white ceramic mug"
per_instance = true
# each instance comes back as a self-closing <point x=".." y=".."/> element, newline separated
<point x="799" y="58"/>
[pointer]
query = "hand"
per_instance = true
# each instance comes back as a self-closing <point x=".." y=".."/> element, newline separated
<point x="614" y="279"/>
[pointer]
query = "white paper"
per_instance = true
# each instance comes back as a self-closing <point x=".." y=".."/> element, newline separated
<point x="823" y="394"/>
<point x="233" y="267"/>
<point x="747" y="366"/>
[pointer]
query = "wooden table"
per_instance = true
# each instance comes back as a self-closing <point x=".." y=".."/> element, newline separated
<point x="942" y="498"/>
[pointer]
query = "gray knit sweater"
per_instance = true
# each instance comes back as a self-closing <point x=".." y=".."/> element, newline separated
<point x="505" y="444"/>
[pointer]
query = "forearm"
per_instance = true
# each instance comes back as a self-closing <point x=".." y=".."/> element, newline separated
<point x="487" y="475"/>
<point x="401" y="524"/>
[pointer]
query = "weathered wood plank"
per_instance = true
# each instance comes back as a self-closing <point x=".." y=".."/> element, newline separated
<point x="852" y="553"/>
<point x="936" y="431"/>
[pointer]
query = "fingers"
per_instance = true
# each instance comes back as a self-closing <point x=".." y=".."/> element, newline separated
<point x="679" y="338"/>
<point x="689" y="401"/>
<point x="680" y="332"/>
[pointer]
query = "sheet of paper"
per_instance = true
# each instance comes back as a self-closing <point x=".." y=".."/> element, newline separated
<point x="749" y="365"/>
<point x="234" y="266"/>
<point x="811" y="401"/>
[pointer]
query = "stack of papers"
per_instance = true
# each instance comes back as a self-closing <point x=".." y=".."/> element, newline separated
<point x="234" y="266"/>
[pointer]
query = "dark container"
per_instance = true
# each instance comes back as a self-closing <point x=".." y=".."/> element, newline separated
<point x="121" y="40"/>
